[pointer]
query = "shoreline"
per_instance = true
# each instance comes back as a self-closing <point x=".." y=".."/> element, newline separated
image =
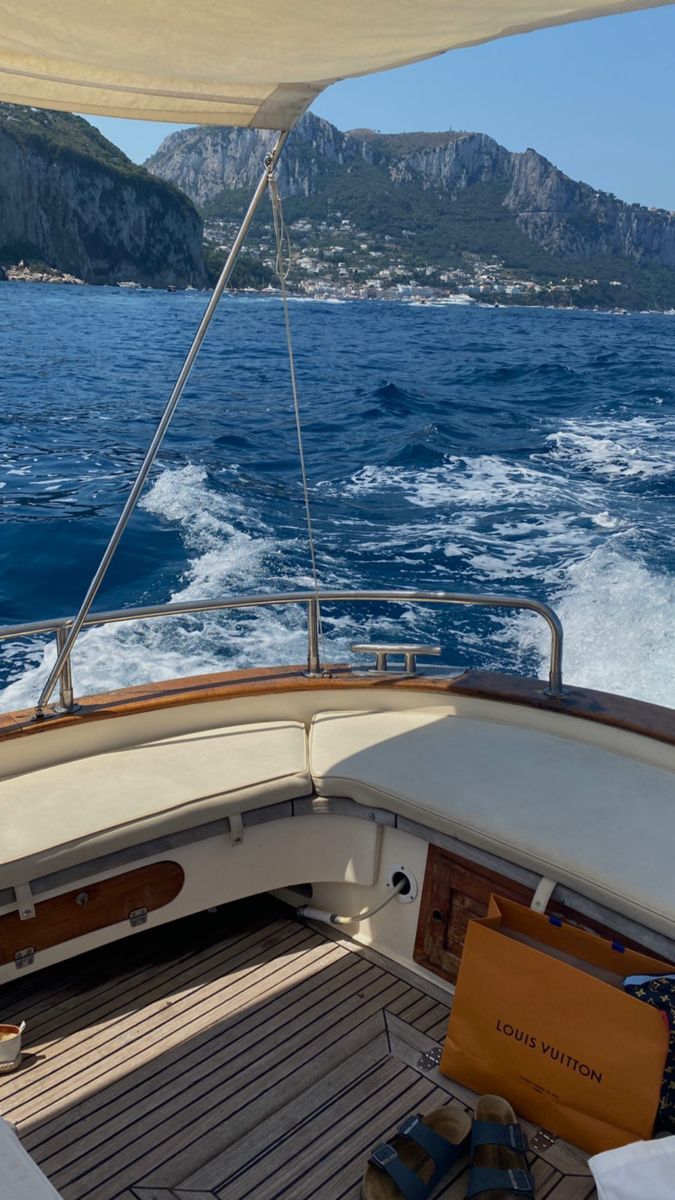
<point x="21" y="274"/>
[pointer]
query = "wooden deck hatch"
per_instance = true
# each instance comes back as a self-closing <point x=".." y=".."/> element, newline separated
<point x="94" y="906"/>
<point x="456" y="891"/>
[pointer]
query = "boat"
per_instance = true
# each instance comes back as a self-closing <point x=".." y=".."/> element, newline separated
<point x="459" y="298"/>
<point x="233" y="907"/>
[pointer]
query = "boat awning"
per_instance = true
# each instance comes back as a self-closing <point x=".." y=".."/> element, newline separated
<point x="257" y="63"/>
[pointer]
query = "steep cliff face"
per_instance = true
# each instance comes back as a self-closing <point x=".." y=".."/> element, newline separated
<point x="563" y="218"/>
<point x="573" y="220"/>
<point x="204" y="161"/>
<point x="449" y="162"/>
<point x="72" y="200"/>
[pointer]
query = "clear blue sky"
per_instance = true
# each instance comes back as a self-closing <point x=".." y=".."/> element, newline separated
<point x="597" y="98"/>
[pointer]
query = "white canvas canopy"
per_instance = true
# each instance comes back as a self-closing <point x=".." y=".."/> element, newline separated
<point x="258" y="63"/>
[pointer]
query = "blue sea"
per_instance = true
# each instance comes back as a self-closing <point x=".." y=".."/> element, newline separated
<point x="528" y="451"/>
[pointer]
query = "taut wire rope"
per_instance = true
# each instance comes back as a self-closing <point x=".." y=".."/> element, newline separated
<point x="282" y="267"/>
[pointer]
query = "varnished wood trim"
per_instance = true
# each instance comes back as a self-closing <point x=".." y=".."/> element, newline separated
<point x="96" y="906"/>
<point x="620" y="712"/>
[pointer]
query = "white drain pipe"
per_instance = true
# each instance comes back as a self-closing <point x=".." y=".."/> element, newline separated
<point x="318" y="914"/>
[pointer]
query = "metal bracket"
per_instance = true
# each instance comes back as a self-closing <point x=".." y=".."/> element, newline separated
<point x="24" y="900"/>
<point x="24" y="958"/>
<point x="542" y="1140"/>
<point x="430" y="1059"/>
<point x="138" y="916"/>
<point x="544" y="891"/>
<point x="236" y="829"/>
<point x="382" y="652"/>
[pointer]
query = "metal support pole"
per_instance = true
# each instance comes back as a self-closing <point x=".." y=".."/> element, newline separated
<point x="64" y="651"/>
<point x="66" y="679"/>
<point x="555" y="683"/>
<point x="313" y="657"/>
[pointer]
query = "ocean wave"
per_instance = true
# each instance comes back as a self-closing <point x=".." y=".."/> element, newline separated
<point x="222" y="558"/>
<point x="228" y="558"/>
<point x="641" y="448"/>
<point x="515" y="451"/>
<point x="617" y="617"/>
<point x="482" y="481"/>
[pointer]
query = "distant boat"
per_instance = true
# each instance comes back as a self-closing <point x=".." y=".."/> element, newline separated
<point x="129" y="283"/>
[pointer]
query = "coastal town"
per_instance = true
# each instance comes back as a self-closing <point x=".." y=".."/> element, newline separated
<point x="334" y="259"/>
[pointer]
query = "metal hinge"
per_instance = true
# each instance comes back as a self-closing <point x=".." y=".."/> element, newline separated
<point x="542" y="1140"/>
<point x="430" y="1059"/>
<point x="24" y="958"/>
<point x="138" y="916"/>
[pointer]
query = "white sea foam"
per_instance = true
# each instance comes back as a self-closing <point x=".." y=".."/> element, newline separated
<point x="503" y="522"/>
<point x="498" y="517"/>
<point x="225" y="557"/>
<point x="604" y="520"/>
<point x="222" y="558"/>
<point x="484" y="481"/>
<point x="640" y="448"/>
<point x="617" y="617"/>
<point x="508" y="523"/>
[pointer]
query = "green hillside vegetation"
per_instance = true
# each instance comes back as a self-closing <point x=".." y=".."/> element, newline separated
<point x="443" y="228"/>
<point x="649" y="288"/>
<point x="249" y="272"/>
<point x="433" y="226"/>
<point x="64" y="135"/>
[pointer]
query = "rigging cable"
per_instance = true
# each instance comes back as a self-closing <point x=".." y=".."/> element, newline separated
<point x="282" y="267"/>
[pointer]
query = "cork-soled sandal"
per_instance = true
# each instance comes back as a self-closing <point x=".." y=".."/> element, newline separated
<point x="418" y="1157"/>
<point x="498" y="1153"/>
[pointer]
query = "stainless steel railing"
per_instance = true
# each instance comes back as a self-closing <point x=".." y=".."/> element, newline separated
<point x="62" y="626"/>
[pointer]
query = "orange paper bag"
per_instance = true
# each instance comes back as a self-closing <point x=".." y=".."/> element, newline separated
<point x="540" y="1017"/>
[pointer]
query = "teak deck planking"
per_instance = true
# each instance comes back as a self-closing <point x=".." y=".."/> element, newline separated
<point x="235" y="1055"/>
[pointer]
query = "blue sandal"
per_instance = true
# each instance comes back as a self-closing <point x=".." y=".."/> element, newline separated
<point x="418" y="1157"/>
<point x="498" y="1153"/>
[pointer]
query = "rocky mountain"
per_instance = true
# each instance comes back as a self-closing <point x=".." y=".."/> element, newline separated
<point x="71" y="201"/>
<point x="206" y="160"/>
<point x="447" y="193"/>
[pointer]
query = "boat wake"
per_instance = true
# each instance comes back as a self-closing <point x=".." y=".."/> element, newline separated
<point x="521" y="453"/>
<point x="222" y="558"/>
<point x="617" y="618"/>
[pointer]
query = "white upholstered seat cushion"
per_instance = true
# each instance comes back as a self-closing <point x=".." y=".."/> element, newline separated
<point x="63" y="814"/>
<point x="596" y="820"/>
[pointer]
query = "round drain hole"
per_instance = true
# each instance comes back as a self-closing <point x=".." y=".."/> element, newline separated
<point x="402" y="874"/>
